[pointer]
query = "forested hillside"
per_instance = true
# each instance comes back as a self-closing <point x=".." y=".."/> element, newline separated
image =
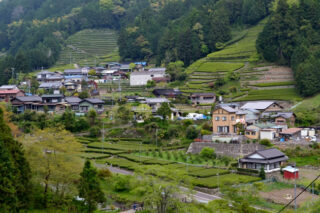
<point x="32" y="32"/>
<point x="292" y="37"/>
<point x="187" y="30"/>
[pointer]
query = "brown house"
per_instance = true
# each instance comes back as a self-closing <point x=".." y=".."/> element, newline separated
<point x="225" y="119"/>
<point x="203" y="98"/>
<point x="8" y="95"/>
<point x="284" y="118"/>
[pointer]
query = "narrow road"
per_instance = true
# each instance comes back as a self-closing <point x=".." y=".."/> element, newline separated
<point x="201" y="197"/>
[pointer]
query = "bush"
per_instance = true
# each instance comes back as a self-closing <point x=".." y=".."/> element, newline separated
<point x="121" y="184"/>
<point x="207" y="153"/>
<point x="94" y="132"/>
<point x="266" y="142"/>
<point x="192" y="132"/>
<point x="104" y="173"/>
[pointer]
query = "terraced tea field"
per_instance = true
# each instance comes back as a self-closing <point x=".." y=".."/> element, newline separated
<point x="90" y="47"/>
<point x="241" y="57"/>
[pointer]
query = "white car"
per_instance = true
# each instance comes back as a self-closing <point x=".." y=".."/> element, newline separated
<point x="313" y="139"/>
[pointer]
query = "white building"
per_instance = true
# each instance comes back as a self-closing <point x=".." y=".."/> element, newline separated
<point x="141" y="78"/>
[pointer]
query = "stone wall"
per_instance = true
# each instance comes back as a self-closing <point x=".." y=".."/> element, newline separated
<point x="232" y="150"/>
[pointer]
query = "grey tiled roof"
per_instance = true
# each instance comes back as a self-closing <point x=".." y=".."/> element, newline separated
<point x="73" y="100"/>
<point x="52" y="96"/>
<point x="270" y="153"/>
<point x="29" y="99"/>
<point x="94" y="100"/>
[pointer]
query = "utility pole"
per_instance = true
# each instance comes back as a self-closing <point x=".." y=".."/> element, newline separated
<point x="295" y="191"/>
<point x="156" y="137"/>
<point x="187" y="165"/>
<point x="218" y="182"/>
<point x="12" y="72"/>
<point x="120" y="85"/>
<point x="140" y="152"/>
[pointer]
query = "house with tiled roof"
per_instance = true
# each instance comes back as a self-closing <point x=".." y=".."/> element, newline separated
<point x="269" y="159"/>
<point x="8" y="95"/>
<point x="94" y="103"/>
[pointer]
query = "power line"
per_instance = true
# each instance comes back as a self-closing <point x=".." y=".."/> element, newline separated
<point x="299" y="194"/>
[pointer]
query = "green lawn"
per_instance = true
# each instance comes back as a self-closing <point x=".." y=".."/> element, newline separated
<point x="289" y="94"/>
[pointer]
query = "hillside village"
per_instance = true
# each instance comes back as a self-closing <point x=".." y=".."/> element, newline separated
<point x="193" y="106"/>
<point x="247" y="137"/>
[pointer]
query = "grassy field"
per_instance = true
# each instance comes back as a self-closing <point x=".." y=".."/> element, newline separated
<point x="289" y="94"/>
<point x="309" y="104"/>
<point x="90" y="47"/>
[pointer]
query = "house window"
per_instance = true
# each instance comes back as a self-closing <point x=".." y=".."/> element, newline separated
<point x="241" y="116"/>
<point x="224" y="118"/>
<point x="253" y="133"/>
<point x="223" y="129"/>
<point x="247" y="133"/>
<point x="217" y="118"/>
<point x="232" y="118"/>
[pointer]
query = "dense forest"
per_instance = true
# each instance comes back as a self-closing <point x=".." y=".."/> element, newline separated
<point x="292" y="37"/>
<point x="32" y="32"/>
<point x="187" y="30"/>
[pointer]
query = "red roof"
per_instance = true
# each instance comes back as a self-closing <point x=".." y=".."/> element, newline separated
<point x="14" y="91"/>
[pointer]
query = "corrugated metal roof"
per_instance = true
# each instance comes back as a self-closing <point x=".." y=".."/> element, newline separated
<point x="260" y="105"/>
<point x="94" y="100"/>
<point x="148" y="73"/>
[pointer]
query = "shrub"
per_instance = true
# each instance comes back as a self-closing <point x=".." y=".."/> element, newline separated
<point x="192" y="132"/>
<point x="94" y="132"/>
<point x="207" y="153"/>
<point x="262" y="173"/>
<point x="266" y="142"/>
<point x="121" y="184"/>
<point x="104" y="173"/>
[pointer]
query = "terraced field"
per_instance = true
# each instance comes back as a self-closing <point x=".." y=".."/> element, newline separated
<point x="90" y="47"/>
<point x="234" y="57"/>
<point x="123" y="153"/>
<point x="241" y="57"/>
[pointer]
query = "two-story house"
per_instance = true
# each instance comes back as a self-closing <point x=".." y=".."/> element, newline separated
<point x="225" y="119"/>
<point x="203" y="98"/>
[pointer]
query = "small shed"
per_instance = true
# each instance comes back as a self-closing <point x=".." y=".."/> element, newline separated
<point x="290" y="173"/>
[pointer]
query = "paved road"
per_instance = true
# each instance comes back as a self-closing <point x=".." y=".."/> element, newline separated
<point x="198" y="196"/>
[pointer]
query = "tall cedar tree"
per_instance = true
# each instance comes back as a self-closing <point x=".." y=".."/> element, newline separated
<point x="15" y="171"/>
<point x="89" y="187"/>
